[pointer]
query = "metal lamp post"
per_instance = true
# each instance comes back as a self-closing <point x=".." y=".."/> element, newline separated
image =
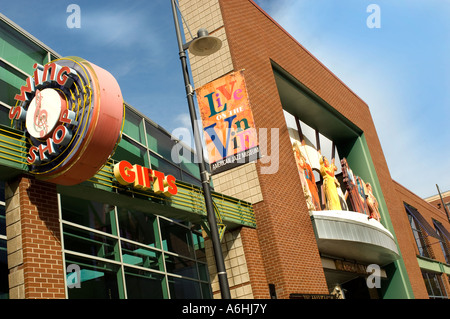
<point x="202" y="45"/>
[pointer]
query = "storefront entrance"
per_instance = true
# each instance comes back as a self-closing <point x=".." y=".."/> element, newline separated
<point x="357" y="289"/>
<point x="349" y="280"/>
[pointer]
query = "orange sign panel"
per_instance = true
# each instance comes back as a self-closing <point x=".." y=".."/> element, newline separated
<point x="229" y="128"/>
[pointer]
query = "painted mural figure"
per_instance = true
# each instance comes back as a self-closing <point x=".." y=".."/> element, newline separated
<point x="307" y="179"/>
<point x="327" y="171"/>
<point x="342" y="196"/>
<point x="352" y="188"/>
<point x="362" y="192"/>
<point x="372" y="203"/>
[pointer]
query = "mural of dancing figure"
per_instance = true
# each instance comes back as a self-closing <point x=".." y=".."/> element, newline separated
<point x="331" y="195"/>
<point x="307" y="178"/>
<point x="352" y="188"/>
<point x="372" y="203"/>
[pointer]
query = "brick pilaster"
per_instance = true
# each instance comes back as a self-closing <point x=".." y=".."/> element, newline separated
<point x="33" y="240"/>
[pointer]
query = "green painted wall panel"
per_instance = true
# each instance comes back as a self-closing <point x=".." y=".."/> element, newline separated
<point x="359" y="159"/>
<point x="19" y="52"/>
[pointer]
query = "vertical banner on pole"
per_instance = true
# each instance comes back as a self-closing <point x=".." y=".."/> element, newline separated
<point x="228" y="126"/>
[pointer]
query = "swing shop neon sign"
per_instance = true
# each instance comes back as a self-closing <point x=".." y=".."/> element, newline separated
<point x="72" y="111"/>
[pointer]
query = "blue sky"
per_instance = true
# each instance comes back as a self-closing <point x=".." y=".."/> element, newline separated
<point x="401" y="70"/>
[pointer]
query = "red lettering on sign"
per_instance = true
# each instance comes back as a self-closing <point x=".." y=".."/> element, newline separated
<point x="33" y="154"/>
<point x="124" y="173"/>
<point x="17" y="113"/>
<point x="145" y="178"/>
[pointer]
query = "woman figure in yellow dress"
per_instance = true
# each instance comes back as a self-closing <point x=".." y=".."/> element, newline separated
<point x="327" y="171"/>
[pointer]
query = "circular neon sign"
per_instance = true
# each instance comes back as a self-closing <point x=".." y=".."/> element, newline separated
<point x="73" y="115"/>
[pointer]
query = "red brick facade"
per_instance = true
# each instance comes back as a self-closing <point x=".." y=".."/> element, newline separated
<point x="34" y="240"/>
<point x="287" y="243"/>
<point x="407" y="243"/>
<point x="282" y="250"/>
<point x="284" y="230"/>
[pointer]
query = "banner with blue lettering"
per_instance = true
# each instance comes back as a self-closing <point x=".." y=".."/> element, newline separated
<point x="228" y="126"/>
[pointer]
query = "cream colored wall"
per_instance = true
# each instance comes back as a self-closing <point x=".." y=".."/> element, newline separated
<point x="206" y="14"/>
<point x="235" y="264"/>
<point x="241" y="182"/>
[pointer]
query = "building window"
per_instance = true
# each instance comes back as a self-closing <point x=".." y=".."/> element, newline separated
<point x="444" y="239"/>
<point x="421" y="230"/>
<point x="133" y="126"/>
<point x="122" y="254"/>
<point x="4" y="286"/>
<point x="419" y="237"/>
<point x="434" y="284"/>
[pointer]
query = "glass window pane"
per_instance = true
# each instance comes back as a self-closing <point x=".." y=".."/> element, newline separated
<point x="4" y="114"/>
<point x="2" y="221"/>
<point x="4" y="286"/>
<point x="164" y="166"/>
<point x="144" y="284"/>
<point x="203" y="271"/>
<point x="189" y="162"/>
<point x="11" y="80"/>
<point x="191" y="180"/>
<point x="181" y="266"/>
<point x="199" y="246"/>
<point x="132" y="152"/>
<point x="133" y="126"/>
<point x="176" y="239"/>
<point x="140" y="256"/>
<point x="18" y="50"/>
<point x="98" y="280"/>
<point x="159" y="142"/>
<point x="206" y="290"/>
<point x="91" y="214"/>
<point x="2" y="191"/>
<point x="184" y="288"/>
<point x="138" y="226"/>
<point x="82" y="241"/>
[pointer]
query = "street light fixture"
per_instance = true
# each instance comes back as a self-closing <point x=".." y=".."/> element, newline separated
<point x="202" y="45"/>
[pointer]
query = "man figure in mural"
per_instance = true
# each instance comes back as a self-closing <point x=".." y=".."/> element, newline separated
<point x="361" y="185"/>
<point x="307" y="178"/>
<point x="372" y="203"/>
<point x="331" y="195"/>
<point x="350" y="180"/>
<point x="342" y="197"/>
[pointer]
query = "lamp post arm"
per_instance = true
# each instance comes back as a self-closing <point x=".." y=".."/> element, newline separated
<point x="211" y="217"/>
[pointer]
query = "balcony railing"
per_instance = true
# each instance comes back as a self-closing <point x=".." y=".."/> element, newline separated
<point x="353" y="236"/>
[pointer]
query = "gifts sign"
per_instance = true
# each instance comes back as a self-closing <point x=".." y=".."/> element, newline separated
<point x="229" y="129"/>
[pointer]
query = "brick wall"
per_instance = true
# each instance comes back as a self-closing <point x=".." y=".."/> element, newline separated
<point x="33" y="240"/>
<point x="407" y="242"/>
<point x="283" y="250"/>
<point x="288" y="250"/>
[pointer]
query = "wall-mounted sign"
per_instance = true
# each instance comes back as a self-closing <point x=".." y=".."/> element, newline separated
<point x="72" y="112"/>
<point x="145" y="178"/>
<point x="229" y="129"/>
